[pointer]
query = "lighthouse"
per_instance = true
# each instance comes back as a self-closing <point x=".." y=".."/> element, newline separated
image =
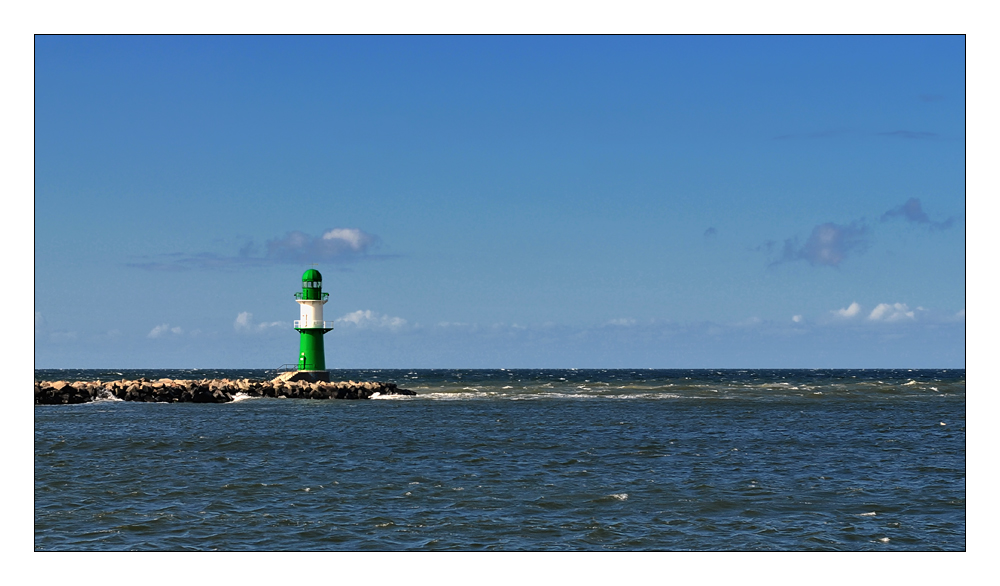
<point x="311" y="327"/>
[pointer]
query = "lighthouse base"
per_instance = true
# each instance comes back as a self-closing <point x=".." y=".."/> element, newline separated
<point x="313" y="376"/>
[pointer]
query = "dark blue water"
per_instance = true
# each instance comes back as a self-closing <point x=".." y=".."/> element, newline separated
<point x="516" y="460"/>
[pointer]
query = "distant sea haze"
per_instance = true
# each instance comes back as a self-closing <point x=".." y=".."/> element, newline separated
<point x="855" y="460"/>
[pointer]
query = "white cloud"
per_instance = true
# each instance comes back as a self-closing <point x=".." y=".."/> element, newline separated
<point x="828" y="245"/>
<point x="39" y="322"/>
<point x="162" y="329"/>
<point x="960" y="314"/>
<point x="850" y="311"/>
<point x="356" y="239"/>
<point x="622" y="322"/>
<point x="333" y="245"/>
<point x="796" y="318"/>
<point x="891" y="312"/>
<point x="368" y="319"/>
<point x="244" y="323"/>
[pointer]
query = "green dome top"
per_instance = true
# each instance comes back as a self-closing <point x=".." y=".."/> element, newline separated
<point x="311" y="275"/>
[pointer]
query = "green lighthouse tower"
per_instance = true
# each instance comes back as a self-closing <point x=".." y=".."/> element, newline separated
<point x="311" y="327"/>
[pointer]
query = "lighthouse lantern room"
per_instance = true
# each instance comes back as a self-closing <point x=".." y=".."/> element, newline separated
<point x="311" y="326"/>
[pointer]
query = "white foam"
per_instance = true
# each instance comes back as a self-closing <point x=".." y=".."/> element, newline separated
<point x="621" y="496"/>
<point x="453" y="396"/>
<point x="871" y="514"/>
<point x="381" y="397"/>
<point x="242" y="397"/>
<point x="912" y="382"/>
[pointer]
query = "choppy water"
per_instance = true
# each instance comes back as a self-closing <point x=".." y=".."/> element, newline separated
<point x="516" y="460"/>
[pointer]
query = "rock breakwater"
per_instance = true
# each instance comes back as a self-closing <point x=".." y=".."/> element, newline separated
<point x="224" y="390"/>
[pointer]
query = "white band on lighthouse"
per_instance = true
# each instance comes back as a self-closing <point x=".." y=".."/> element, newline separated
<point x="311" y="310"/>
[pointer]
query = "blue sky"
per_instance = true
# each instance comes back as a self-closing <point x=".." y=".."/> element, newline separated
<point x="660" y="202"/>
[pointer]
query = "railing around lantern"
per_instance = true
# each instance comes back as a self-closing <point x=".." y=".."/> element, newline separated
<point x="307" y="324"/>
<point x="324" y="297"/>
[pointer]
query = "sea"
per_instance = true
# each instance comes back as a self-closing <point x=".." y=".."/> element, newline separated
<point x="515" y="460"/>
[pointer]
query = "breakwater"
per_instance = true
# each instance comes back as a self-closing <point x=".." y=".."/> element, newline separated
<point x="166" y="390"/>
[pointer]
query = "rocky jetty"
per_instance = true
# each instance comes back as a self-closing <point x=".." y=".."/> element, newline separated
<point x="167" y="390"/>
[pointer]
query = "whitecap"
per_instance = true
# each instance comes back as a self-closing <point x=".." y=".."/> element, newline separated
<point x="381" y="397"/>
<point x="443" y="396"/>
<point x="241" y="396"/>
<point x="621" y="496"/>
<point x="871" y="514"/>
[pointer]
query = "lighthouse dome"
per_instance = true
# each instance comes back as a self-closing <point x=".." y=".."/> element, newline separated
<point x="311" y="275"/>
